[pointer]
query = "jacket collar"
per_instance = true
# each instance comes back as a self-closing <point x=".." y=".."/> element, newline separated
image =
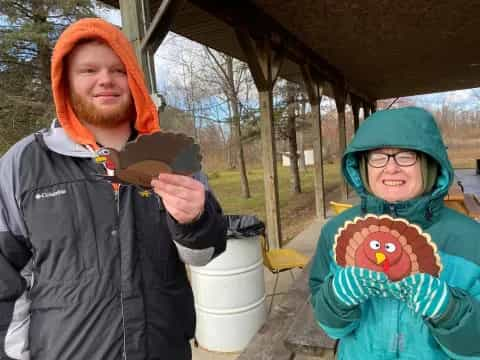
<point x="422" y="211"/>
<point x="57" y="140"/>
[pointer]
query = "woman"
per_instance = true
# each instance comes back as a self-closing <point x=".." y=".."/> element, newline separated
<point x="398" y="165"/>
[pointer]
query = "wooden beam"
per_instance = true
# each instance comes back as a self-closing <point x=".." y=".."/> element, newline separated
<point x="312" y="83"/>
<point x="241" y="14"/>
<point x="134" y="20"/>
<point x="249" y="48"/>
<point x="356" y="104"/>
<point x="264" y="62"/>
<point x="148" y="53"/>
<point x="161" y="23"/>
<point x="340" y="93"/>
<point x="366" y="109"/>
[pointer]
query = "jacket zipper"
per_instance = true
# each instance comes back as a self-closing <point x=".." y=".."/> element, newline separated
<point x="393" y="211"/>
<point x="117" y="208"/>
<point x="116" y="193"/>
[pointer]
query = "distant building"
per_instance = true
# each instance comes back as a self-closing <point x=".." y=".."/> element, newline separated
<point x="308" y="158"/>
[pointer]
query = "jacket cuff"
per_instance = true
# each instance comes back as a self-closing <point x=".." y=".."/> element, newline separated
<point x="336" y="302"/>
<point x="443" y="319"/>
<point x="207" y="231"/>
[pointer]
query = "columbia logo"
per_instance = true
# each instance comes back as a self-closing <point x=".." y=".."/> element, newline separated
<point x="45" y="195"/>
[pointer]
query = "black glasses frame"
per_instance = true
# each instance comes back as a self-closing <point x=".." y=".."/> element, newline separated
<point x="394" y="156"/>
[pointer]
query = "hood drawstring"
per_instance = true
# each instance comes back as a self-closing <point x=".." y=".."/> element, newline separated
<point x="392" y="210"/>
<point x="429" y="212"/>
<point x="39" y="139"/>
<point x="363" y="207"/>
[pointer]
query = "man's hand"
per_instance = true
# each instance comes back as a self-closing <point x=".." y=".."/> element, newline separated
<point x="183" y="196"/>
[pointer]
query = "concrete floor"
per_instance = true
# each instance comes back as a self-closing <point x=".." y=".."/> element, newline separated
<point x="305" y="242"/>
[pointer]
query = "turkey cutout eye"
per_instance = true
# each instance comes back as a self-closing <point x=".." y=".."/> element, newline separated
<point x="390" y="248"/>
<point x="374" y="244"/>
<point x="103" y="152"/>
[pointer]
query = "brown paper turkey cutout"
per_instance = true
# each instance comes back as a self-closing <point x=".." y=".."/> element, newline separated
<point x="384" y="244"/>
<point x="142" y="160"/>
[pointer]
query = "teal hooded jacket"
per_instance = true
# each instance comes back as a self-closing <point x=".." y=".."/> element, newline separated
<point x="385" y="328"/>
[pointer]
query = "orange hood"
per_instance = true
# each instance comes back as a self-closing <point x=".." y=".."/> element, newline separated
<point x="146" y="121"/>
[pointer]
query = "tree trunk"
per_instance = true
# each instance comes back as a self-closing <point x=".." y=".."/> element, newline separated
<point x="232" y="164"/>
<point x="292" y="139"/>
<point x="300" y="143"/>
<point x="234" y="104"/>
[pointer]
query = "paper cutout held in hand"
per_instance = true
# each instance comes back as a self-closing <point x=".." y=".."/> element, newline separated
<point x="142" y="160"/>
<point x="382" y="243"/>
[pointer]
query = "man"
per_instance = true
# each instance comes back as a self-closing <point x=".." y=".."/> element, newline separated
<point x="89" y="269"/>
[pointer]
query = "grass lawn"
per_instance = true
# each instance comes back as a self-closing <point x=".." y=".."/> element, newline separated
<point x="296" y="211"/>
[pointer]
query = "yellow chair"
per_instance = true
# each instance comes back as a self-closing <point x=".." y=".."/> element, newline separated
<point x="339" y="207"/>
<point x="279" y="260"/>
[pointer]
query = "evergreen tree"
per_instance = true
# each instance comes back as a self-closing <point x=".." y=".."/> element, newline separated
<point x="28" y="32"/>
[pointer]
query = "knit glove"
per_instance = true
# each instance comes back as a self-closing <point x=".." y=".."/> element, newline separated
<point x="353" y="285"/>
<point x="425" y="294"/>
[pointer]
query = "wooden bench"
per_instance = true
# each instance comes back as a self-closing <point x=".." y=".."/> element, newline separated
<point x="276" y="339"/>
<point x="455" y="192"/>
<point x="472" y="205"/>
<point x="306" y="337"/>
<point x="465" y="203"/>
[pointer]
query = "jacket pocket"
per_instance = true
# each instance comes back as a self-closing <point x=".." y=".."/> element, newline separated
<point x="62" y="225"/>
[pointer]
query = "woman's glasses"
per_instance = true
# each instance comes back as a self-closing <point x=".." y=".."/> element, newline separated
<point x="401" y="158"/>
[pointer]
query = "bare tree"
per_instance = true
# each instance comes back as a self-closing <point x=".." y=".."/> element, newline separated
<point x="292" y="137"/>
<point x="302" y="104"/>
<point x="229" y="78"/>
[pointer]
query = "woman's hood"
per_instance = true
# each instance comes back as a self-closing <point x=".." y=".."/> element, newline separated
<point x="146" y="121"/>
<point x="408" y="128"/>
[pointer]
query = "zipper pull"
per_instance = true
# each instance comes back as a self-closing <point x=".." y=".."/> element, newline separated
<point x="393" y="211"/>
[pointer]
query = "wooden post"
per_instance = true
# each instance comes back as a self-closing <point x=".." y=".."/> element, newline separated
<point x="264" y="63"/>
<point x="340" y="100"/>
<point x="314" y="92"/>
<point x="366" y="110"/>
<point x="146" y="34"/>
<point x="147" y="52"/>
<point x="355" y="101"/>
<point x="157" y="29"/>
<point x="133" y="14"/>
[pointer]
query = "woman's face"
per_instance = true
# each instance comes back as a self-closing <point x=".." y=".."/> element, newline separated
<point x="399" y="179"/>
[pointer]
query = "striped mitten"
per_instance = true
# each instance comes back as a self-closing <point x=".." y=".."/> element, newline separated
<point x="425" y="294"/>
<point x="353" y="285"/>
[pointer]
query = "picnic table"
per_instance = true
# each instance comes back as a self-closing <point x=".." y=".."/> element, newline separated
<point x="467" y="203"/>
<point x="291" y="329"/>
<point x="306" y="337"/>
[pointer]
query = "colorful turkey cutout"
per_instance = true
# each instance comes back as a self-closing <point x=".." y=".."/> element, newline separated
<point x="150" y="155"/>
<point x="384" y="244"/>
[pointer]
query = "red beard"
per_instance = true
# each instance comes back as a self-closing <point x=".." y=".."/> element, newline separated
<point x="110" y="118"/>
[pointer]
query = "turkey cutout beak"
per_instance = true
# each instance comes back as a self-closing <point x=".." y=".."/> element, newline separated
<point x="380" y="257"/>
<point x="382" y="260"/>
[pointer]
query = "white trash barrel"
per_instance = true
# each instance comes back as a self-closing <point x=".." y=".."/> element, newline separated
<point x="230" y="296"/>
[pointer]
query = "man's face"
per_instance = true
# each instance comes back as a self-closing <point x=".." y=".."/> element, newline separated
<point x="99" y="91"/>
<point x="393" y="182"/>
